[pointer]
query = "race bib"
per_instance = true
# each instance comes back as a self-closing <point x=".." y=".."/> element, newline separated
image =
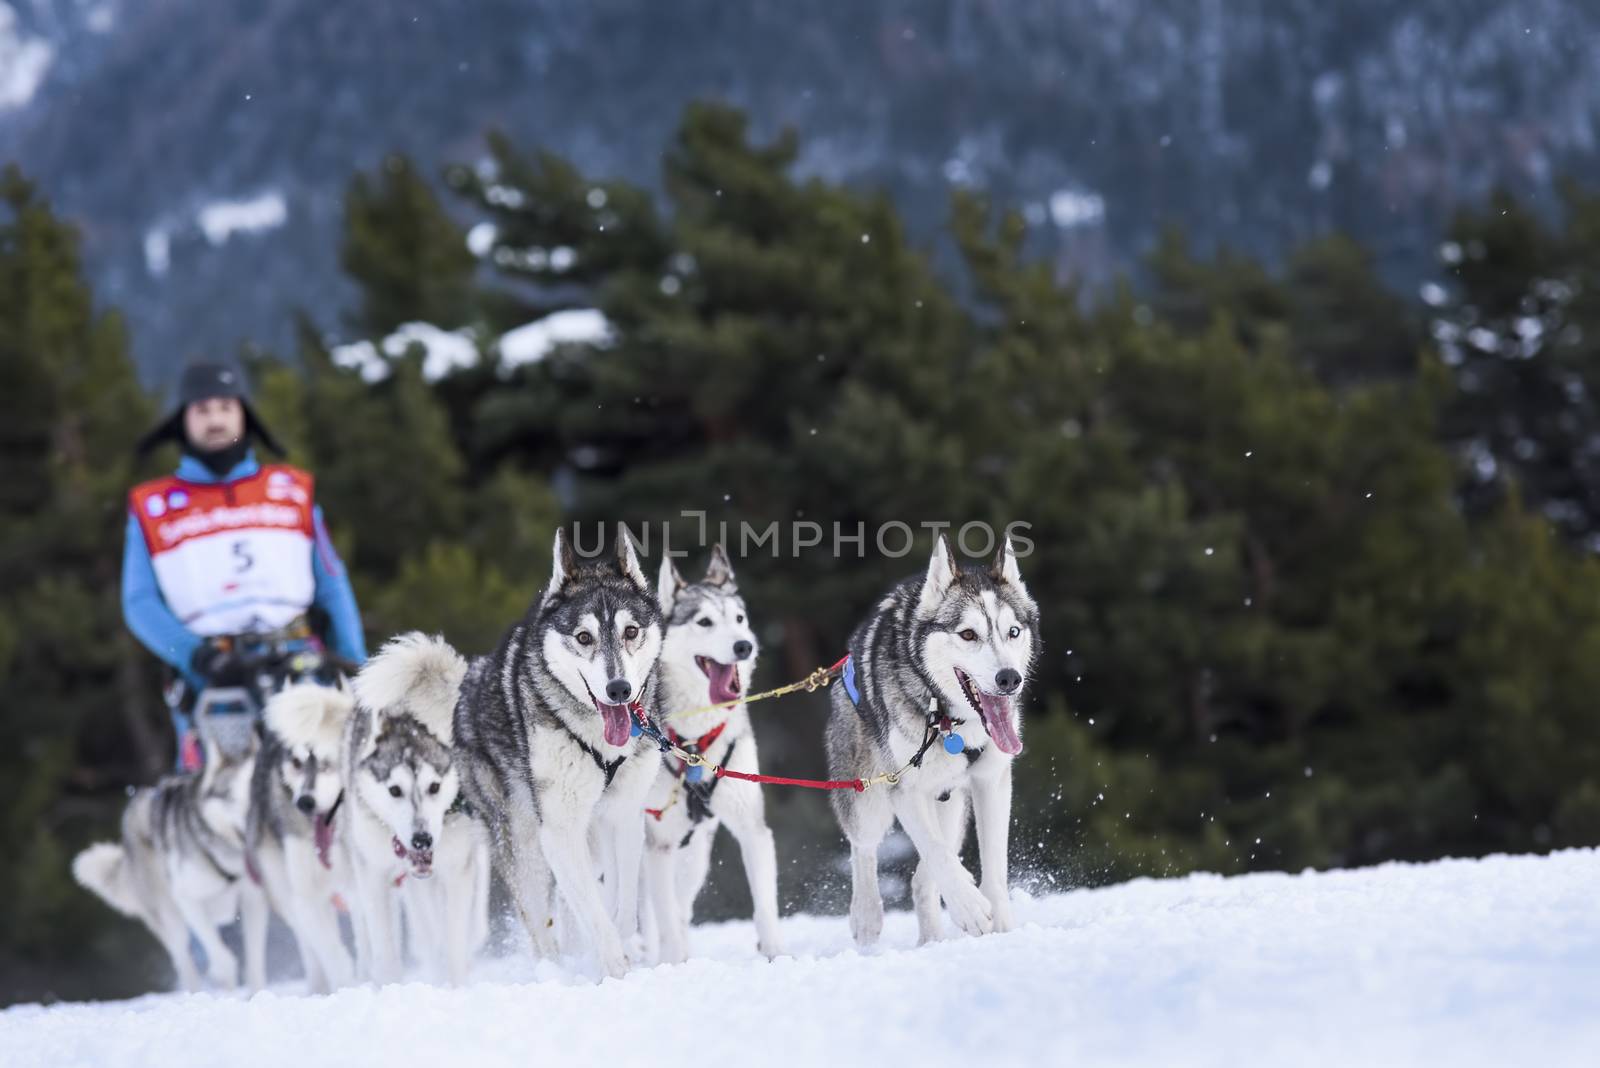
<point x="235" y="557"/>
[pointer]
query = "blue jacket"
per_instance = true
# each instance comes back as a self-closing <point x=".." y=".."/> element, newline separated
<point x="155" y="624"/>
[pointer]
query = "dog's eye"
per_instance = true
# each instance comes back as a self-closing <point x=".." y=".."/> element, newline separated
<point x="585" y="638"/>
<point x="969" y="635"/>
<point x="394" y="791"/>
<point x="738" y="619"/>
<point x="295" y="762"/>
<point x="630" y="632"/>
<point x="704" y="622"/>
<point x="1013" y="632"/>
<point x="433" y="789"/>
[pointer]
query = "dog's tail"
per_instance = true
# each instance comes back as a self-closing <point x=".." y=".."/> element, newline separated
<point x="103" y="869"/>
<point x="308" y="714"/>
<point x="415" y="674"/>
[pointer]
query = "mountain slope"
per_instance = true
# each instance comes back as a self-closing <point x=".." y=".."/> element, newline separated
<point x="1257" y="122"/>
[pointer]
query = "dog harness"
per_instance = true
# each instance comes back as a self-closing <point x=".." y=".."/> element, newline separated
<point x="608" y="768"/>
<point x="937" y="720"/>
<point x="695" y="787"/>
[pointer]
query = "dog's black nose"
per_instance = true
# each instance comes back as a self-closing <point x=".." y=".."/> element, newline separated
<point x="742" y="650"/>
<point x="422" y="840"/>
<point x="1007" y="680"/>
<point x="618" y="691"/>
<point x="305" y="803"/>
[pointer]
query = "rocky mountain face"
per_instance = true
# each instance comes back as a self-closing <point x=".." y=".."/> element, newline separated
<point x="203" y="146"/>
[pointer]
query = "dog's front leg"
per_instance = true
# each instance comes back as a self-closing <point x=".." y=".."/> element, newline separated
<point x="521" y="864"/>
<point x="566" y="848"/>
<point x="168" y="925"/>
<point x="952" y="814"/>
<point x="991" y="806"/>
<point x="659" y="873"/>
<point x="458" y="897"/>
<point x="318" y="928"/>
<point x="377" y="913"/>
<point x="967" y="904"/>
<point x="747" y="824"/>
<point x="253" y="919"/>
<point x="627" y="843"/>
<point x="221" y="967"/>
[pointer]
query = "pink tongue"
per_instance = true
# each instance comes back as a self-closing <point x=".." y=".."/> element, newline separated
<point x="617" y="728"/>
<point x="724" y="681"/>
<point x="322" y="835"/>
<point x="997" y="718"/>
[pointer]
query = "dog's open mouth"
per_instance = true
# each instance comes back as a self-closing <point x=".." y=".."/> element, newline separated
<point x="996" y="713"/>
<point x="616" y="720"/>
<point x="421" y="860"/>
<point x="322" y="837"/>
<point x="725" y="685"/>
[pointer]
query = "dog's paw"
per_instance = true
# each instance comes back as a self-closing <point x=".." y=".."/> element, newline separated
<point x="866" y="924"/>
<point x="673" y="951"/>
<point x="614" y="959"/>
<point x="1000" y="905"/>
<point x="771" y="948"/>
<point x="970" y="909"/>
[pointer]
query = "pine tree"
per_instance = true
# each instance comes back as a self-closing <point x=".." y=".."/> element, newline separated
<point x="72" y="409"/>
<point x="408" y="256"/>
<point x="1518" y="332"/>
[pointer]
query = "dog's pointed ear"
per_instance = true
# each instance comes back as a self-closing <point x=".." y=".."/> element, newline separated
<point x="562" y="565"/>
<point x="942" y="574"/>
<point x="668" y="583"/>
<point x="628" y="560"/>
<point x="1004" y="569"/>
<point x="719" y="572"/>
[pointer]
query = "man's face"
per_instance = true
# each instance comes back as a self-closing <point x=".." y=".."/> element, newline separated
<point x="214" y="423"/>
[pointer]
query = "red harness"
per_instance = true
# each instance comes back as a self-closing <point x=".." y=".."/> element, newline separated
<point x="700" y="744"/>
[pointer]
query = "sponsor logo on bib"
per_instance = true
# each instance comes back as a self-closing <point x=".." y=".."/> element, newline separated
<point x="177" y="499"/>
<point x="155" y="506"/>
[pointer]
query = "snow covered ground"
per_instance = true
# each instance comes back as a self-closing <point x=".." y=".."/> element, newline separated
<point x="1461" y="962"/>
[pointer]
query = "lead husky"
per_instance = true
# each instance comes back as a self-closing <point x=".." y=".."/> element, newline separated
<point x="963" y="639"/>
<point x="409" y="842"/>
<point x="179" y="865"/>
<point x="543" y="733"/>
<point x="707" y="657"/>
<point x="296" y="795"/>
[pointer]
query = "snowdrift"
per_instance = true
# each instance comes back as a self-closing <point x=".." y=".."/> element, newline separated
<point x="1495" y="961"/>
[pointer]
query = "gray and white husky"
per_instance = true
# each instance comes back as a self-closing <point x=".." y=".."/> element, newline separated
<point x="411" y="846"/>
<point x="548" y="762"/>
<point x="946" y="652"/>
<point x="708" y="656"/>
<point x="296" y="800"/>
<point x="180" y="869"/>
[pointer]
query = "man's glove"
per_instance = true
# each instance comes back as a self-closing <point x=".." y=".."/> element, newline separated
<point x="218" y="666"/>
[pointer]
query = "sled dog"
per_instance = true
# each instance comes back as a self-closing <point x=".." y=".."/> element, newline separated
<point x="179" y="867"/>
<point x="942" y="659"/>
<point x="412" y="847"/>
<point x="708" y="655"/>
<point x="548" y="761"/>
<point x="297" y="802"/>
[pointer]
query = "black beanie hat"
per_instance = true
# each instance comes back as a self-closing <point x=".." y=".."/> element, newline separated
<point x="202" y="381"/>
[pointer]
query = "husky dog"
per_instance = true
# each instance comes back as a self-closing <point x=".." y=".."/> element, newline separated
<point x="408" y="839"/>
<point x="543" y="734"/>
<point x="943" y="652"/>
<point x="296" y="798"/>
<point x="707" y="656"/>
<point x="180" y="865"/>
